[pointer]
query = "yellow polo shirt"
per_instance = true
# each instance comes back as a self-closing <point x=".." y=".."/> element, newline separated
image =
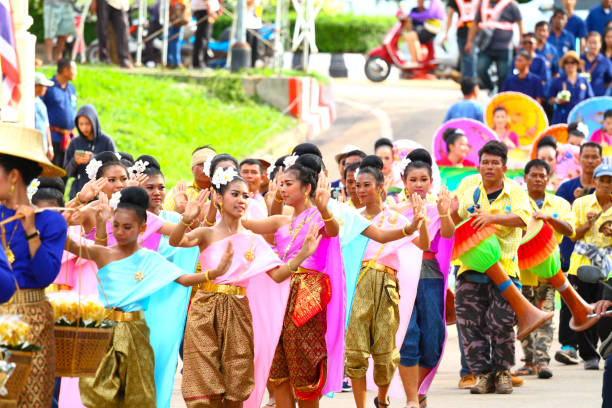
<point x="552" y="205"/>
<point x="192" y="191"/>
<point x="581" y="207"/>
<point x="512" y="196"/>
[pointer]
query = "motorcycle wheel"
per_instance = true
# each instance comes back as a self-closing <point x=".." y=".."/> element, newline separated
<point x="91" y="54"/>
<point x="377" y="69"/>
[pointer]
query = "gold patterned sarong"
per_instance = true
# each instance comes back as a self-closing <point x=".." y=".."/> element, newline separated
<point x="301" y="354"/>
<point x="38" y="391"/>
<point x="218" y="350"/>
<point x="125" y="377"/>
<point x="372" y="327"/>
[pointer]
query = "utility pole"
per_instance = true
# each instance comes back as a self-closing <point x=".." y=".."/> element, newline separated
<point x="240" y="50"/>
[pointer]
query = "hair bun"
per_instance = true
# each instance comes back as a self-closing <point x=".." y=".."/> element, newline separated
<point x="447" y="134"/>
<point x="310" y="161"/>
<point x="152" y="161"/>
<point x="135" y="196"/>
<point x="55" y="183"/>
<point x="307" y="148"/>
<point x="421" y="155"/>
<point x="372" y="161"/>
<point x="107" y="157"/>
<point x="547" y="140"/>
<point x="383" y="141"/>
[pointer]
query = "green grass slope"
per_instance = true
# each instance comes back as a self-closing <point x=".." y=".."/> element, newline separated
<point x="167" y="119"/>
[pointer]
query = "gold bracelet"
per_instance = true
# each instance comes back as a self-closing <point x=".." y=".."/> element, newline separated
<point x="78" y="201"/>
<point x="185" y="224"/>
<point x="404" y="231"/>
<point x="289" y="266"/>
<point x="444" y="215"/>
<point x="101" y="239"/>
<point x="210" y="224"/>
<point x="206" y="276"/>
<point x="277" y="200"/>
<point x="329" y="219"/>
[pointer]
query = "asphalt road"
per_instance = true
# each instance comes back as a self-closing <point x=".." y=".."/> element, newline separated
<point x="414" y="110"/>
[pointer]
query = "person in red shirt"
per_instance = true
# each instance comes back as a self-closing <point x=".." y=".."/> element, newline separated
<point x="457" y="147"/>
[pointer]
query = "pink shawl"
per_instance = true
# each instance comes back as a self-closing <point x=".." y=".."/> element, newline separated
<point x="267" y="299"/>
<point x="327" y="259"/>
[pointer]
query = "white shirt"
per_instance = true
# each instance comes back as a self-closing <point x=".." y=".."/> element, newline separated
<point x="201" y="5"/>
<point x="119" y="4"/>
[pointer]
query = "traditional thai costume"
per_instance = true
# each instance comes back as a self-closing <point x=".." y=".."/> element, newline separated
<point x="375" y="273"/>
<point x="310" y="351"/>
<point x="32" y="275"/>
<point x="233" y="325"/>
<point x="425" y="336"/>
<point x="125" y="377"/>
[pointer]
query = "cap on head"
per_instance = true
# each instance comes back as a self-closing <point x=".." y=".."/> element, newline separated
<point x="41" y="79"/>
<point x="604" y="169"/>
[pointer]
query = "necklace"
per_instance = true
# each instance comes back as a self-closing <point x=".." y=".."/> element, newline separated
<point x="10" y="256"/>
<point x="295" y="232"/>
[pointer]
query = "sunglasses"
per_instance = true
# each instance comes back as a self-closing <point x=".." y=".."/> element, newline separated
<point x="573" y="62"/>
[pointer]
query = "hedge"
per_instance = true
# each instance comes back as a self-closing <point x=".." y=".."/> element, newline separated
<point x="334" y="33"/>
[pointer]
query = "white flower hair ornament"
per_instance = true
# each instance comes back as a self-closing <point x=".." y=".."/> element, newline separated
<point x="404" y="163"/>
<point x="207" y="165"/>
<point x="583" y="128"/>
<point x="356" y="173"/>
<point x="290" y="160"/>
<point x="223" y="176"/>
<point x="118" y="156"/>
<point x="271" y="170"/>
<point x="138" y="168"/>
<point x="114" y="200"/>
<point x="33" y="188"/>
<point x="92" y="168"/>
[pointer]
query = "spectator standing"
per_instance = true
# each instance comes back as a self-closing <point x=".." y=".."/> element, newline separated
<point x="91" y="141"/>
<point x="599" y="16"/>
<point x="58" y="21"/>
<point x="60" y="100"/>
<point x="560" y="38"/>
<point x="598" y="68"/>
<point x="469" y="107"/>
<point x="524" y="81"/>
<point x="254" y="23"/>
<point x="590" y="158"/>
<point x="493" y="37"/>
<point x="606" y="48"/>
<point x="575" y="24"/>
<point x="115" y="12"/>
<point x="539" y="66"/>
<point x="205" y="13"/>
<point x="179" y="16"/>
<point x="251" y="170"/>
<point x="569" y="89"/>
<point x="41" y="117"/>
<point x="466" y="11"/>
<point x="543" y="48"/>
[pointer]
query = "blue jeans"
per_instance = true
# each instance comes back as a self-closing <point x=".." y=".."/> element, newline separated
<point x="425" y="335"/>
<point x="174" y="46"/>
<point x="466" y="61"/>
<point x="502" y="60"/>
<point x="607" y="384"/>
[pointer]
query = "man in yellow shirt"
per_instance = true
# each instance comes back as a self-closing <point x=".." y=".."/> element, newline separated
<point x="591" y="211"/>
<point x="178" y="196"/>
<point x="486" y="318"/>
<point x="557" y="212"/>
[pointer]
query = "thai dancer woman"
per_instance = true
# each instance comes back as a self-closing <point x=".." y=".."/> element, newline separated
<point x="129" y="274"/>
<point x="235" y="318"/>
<point x="308" y="358"/>
<point x="372" y="288"/>
<point x="32" y="244"/>
<point x="423" y="343"/>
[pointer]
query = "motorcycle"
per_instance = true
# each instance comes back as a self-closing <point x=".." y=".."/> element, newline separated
<point x="382" y="58"/>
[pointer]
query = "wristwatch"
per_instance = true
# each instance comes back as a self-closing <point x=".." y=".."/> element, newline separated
<point x="33" y="235"/>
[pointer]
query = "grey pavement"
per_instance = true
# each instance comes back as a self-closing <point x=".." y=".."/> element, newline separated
<point x="414" y="110"/>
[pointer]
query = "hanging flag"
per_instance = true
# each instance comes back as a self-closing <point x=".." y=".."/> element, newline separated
<point x="8" y="53"/>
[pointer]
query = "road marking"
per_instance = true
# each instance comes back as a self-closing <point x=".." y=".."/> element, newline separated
<point x="385" y="122"/>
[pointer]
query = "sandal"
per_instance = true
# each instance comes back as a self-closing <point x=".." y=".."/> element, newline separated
<point x="423" y="402"/>
<point x="527" y="369"/>
<point x="381" y="404"/>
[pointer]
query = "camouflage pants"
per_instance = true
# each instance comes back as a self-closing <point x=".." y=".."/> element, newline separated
<point x="487" y="326"/>
<point x="537" y="343"/>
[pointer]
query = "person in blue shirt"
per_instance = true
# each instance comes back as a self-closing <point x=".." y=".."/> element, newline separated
<point x="61" y="100"/>
<point x="41" y="117"/>
<point x="599" y="16"/>
<point x="575" y="24"/>
<point x="569" y="89"/>
<point x="543" y="48"/>
<point x="469" y="107"/>
<point x="524" y="81"/>
<point x="7" y="283"/>
<point x="560" y="38"/>
<point x="539" y="65"/>
<point x="598" y="68"/>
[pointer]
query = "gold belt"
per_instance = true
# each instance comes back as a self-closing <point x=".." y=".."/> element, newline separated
<point x="27" y="296"/>
<point x="225" y="289"/>
<point x="120" y="316"/>
<point x="304" y="270"/>
<point x="378" y="267"/>
<point x="56" y="287"/>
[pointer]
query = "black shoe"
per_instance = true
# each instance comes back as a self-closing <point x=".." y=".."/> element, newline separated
<point x="380" y="404"/>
